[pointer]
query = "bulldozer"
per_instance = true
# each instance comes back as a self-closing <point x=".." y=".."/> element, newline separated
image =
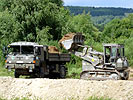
<point x="111" y="64"/>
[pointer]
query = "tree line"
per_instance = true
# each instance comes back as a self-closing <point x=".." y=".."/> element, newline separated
<point x="99" y="11"/>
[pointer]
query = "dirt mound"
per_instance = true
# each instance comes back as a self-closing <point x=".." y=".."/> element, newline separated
<point x="53" y="49"/>
<point x="71" y="41"/>
<point x="67" y="37"/>
<point x="64" y="89"/>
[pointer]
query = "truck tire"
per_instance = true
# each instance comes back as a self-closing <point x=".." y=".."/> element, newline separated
<point x="62" y="72"/>
<point x="16" y="75"/>
<point x="41" y="72"/>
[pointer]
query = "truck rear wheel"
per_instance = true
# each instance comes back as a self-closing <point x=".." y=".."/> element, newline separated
<point x="16" y="75"/>
<point x="62" y="72"/>
<point x="41" y="72"/>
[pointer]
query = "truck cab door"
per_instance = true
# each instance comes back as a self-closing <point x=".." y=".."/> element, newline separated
<point x="39" y="55"/>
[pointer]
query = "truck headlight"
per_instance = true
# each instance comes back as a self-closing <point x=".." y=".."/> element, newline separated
<point x="10" y="62"/>
<point x="30" y="69"/>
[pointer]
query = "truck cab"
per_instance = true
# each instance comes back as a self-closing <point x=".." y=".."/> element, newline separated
<point x="21" y="55"/>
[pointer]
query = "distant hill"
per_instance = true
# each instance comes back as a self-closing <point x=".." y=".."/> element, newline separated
<point x="99" y="11"/>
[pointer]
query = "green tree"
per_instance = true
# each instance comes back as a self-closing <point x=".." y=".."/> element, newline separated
<point x="36" y="15"/>
<point x="118" y="28"/>
<point x="9" y="28"/>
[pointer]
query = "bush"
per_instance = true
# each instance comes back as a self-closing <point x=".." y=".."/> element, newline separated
<point x="74" y="67"/>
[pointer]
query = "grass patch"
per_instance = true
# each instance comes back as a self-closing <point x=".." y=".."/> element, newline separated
<point x="5" y="72"/>
<point x="17" y="99"/>
<point x="98" y="98"/>
<point x="21" y="99"/>
<point x="74" y="67"/>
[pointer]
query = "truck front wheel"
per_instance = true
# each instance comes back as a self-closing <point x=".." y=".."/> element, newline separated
<point x="16" y="75"/>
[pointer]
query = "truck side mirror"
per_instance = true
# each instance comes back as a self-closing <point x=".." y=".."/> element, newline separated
<point x="36" y="50"/>
<point x="4" y="50"/>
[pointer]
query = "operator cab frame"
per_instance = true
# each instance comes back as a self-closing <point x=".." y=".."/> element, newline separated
<point x="112" y="52"/>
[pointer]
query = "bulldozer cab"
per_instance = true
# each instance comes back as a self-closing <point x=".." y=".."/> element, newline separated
<point x="112" y="52"/>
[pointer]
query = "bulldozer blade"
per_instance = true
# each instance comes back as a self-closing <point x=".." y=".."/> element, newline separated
<point x="71" y="41"/>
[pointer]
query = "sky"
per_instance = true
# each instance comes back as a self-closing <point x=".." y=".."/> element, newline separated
<point x="100" y="3"/>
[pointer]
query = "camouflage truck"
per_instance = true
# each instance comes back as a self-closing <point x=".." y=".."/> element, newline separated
<point x="29" y="58"/>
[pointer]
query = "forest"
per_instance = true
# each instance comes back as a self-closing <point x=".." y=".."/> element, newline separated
<point x="101" y="15"/>
<point x="99" y="11"/>
<point x="46" y="21"/>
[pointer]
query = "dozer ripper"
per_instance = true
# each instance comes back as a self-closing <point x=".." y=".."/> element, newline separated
<point x="110" y="64"/>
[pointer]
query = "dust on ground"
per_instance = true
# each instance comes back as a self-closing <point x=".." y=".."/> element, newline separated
<point x="64" y="89"/>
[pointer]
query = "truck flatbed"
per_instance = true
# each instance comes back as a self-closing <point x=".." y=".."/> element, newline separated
<point x="61" y="57"/>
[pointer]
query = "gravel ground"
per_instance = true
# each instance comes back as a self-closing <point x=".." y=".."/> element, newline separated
<point x="64" y="89"/>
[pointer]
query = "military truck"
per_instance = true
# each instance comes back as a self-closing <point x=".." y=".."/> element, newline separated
<point x="32" y="59"/>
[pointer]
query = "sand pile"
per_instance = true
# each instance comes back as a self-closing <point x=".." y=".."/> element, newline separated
<point x="64" y="89"/>
<point x="67" y="37"/>
<point x="53" y="49"/>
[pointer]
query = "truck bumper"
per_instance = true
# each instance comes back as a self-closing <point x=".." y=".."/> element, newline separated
<point x="19" y="66"/>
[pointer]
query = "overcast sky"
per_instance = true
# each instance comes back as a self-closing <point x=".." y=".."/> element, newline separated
<point x="100" y="3"/>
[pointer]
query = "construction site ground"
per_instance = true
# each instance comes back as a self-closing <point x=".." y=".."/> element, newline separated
<point x="65" y="89"/>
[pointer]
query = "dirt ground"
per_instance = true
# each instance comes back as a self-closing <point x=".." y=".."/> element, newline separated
<point x="131" y="74"/>
<point x="64" y="89"/>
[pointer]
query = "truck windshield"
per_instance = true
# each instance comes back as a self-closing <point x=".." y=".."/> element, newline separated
<point x="14" y="49"/>
<point x="27" y="49"/>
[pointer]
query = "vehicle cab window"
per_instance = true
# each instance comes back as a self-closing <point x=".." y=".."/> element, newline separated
<point x="38" y="50"/>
